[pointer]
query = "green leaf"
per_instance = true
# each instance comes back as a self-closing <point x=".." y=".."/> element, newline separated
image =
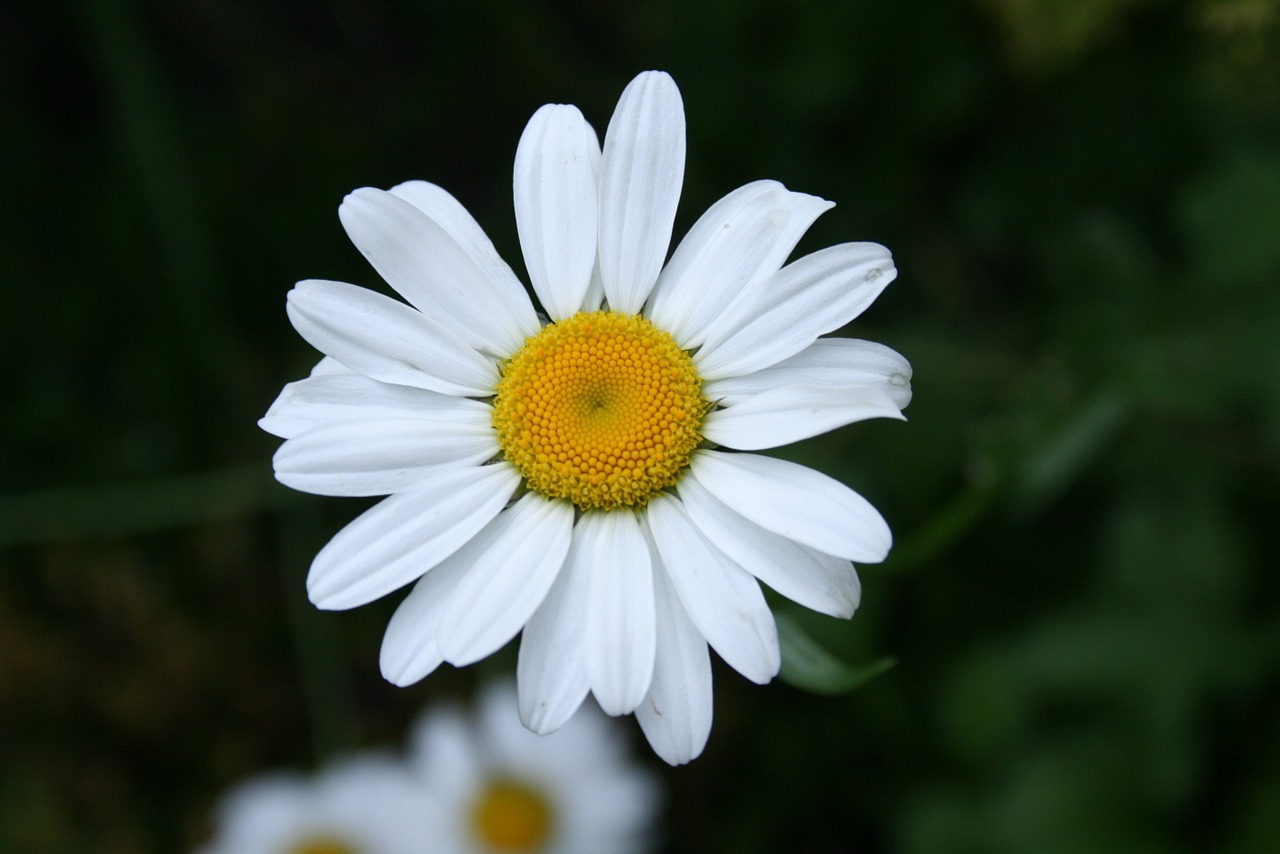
<point x="1077" y="443"/>
<point x="808" y="666"/>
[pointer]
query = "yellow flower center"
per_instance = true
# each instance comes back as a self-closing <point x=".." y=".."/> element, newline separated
<point x="602" y="409"/>
<point x="512" y="816"/>
<point x="323" y="845"/>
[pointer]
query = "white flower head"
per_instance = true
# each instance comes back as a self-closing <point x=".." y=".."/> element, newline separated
<point x="581" y="475"/>
<point x="369" y="804"/>
<point x="496" y="788"/>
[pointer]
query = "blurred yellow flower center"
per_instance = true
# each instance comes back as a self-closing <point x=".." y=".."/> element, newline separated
<point x="511" y="816"/>
<point x="602" y="409"/>
<point x="323" y="845"/>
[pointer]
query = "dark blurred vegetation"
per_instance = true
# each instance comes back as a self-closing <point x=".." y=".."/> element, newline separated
<point x="1083" y="197"/>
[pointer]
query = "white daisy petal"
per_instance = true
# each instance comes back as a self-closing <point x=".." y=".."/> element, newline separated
<point x="449" y="214"/>
<point x="513" y="563"/>
<point x="722" y="599"/>
<point x="816" y="580"/>
<point x="741" y="238"/>
<point x="435" y="273"/>
<point x="328" y="397"/>
<point x="329" y="365"/>
<point x="411" y="643"/>
<point x="387" y="340"/>
<point x="827" y="363"/>
<point x="676" y="713"/>
<point x="642" y="170"/>
<point x="797" y="503"/>
<point x="556" y="199"/>
<point x="379" y="456"/>
<point x="403" y="536"/>
<point x="618" y="641"/>
<point x="595" y="291"/>
<point x="549" y="671"/>
<point x="788" y="414"/>
<point x="781" y="315"/>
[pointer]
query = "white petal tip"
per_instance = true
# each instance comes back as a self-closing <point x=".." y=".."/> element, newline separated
<point x="670" y="742"/>
<point x="844" y="612"/>
<point x="762" y="667"/>
<point x="653" y="75"/>
<point x="675" y="759"/>
<point x="327" y="596"/>
<point x="538" y="720"/>
<point x="359" y="195"/>
<point x="400" y="680"/>
<point x="402" y="674"/>
<point x="270" y="424"/>
<point x="879" y="554"/>
<point x="616" y="707"/>
<point x="328" y="602"/>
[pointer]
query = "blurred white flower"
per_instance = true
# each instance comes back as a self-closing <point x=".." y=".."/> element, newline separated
<point x="496" y="788"/>
<point x="559" y="474"/>
<point x="367" y="804"/>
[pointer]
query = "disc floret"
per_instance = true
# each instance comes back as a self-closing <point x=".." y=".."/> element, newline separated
<point x="602" y="409"/>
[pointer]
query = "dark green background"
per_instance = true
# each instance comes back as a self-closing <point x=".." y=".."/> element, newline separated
<point x="1083" y="199"/>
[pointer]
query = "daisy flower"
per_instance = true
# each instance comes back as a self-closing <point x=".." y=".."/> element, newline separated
<point x="496" y="788"/>
<point x="583" y="473"/>
<point x="370" y="804"/>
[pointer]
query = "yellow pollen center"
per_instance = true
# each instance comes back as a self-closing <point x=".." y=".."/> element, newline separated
<point x="602" y="409"/>
<point x="512" y="816"/>
<point x="323" y="845"/>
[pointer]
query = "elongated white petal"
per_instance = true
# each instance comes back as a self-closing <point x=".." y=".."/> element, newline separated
<point x="741" y="238"/>
<point x="435" y="273"/>
<point x="784" y="415"/>
<point x="329" y="397"/>
<point x="595" y="291"/>
<point x="556" y="203"/>
<point x="826" y="363"/>
<point x="641" y="172"/>
<point x="513" y="562"/>
<point x="781" y="315"/>
<point x="387" y="340"/>
<point x="329" y="365"/>
<point x="411" y="643"/>
<point x="797" y="503"/>
<point x="379" y="456"/>
<point x="430" y="268"/>
<point x="449" y="214"/>
<point x="722" y="599"/>
<point x="814" y="579"/>
<point x="552" y="680"/>
<point x="403" y="536"/>
<point x="676" y="713"/>
<point x="618" y="642"/>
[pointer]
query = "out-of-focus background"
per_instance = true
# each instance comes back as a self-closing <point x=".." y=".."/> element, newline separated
<point x="1083" y="198"/>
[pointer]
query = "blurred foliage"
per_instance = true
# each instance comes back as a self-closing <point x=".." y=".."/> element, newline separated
<point x="810" y="667"/>
<point x="1084" y="202"/>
